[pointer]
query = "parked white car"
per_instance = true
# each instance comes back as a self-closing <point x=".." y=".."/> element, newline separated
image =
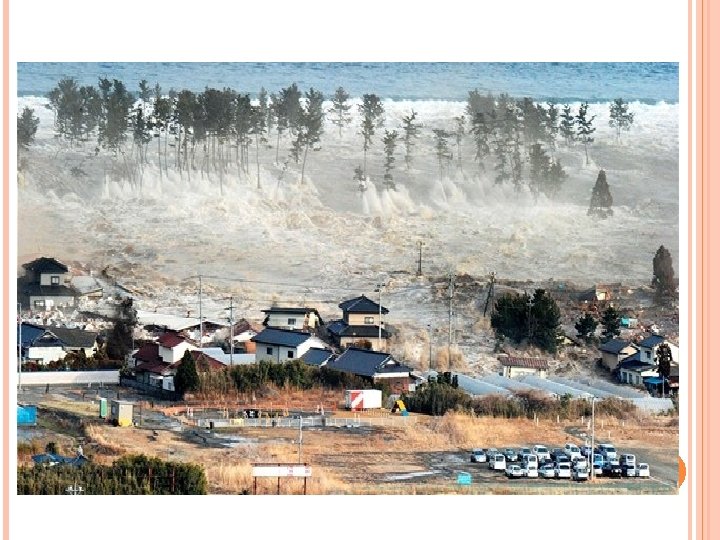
<point x="477" y="455"/>
<point x="547" y="470"/>
<point x="530" y="459"/>
<point x="607" y="450"/>
<point x="541" y="452"/>
<point x="497" y="462"/>
<point x="627" y="459"/>
<point x="572" y="451"/>
<point x="562" y="470"/>
<point x="643" y="470"/>
<point x="530" y="470"/>
<point x="580" y="474"/>
<point x="514" y="471"/>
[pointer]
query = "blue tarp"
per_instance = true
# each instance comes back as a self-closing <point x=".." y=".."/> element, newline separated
<point x="26" y="415"/>
<point x="54" y="459"/>
<point x="653" y="380"/>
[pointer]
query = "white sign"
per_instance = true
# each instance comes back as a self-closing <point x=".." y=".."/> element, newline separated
<point x="282" y="470"/>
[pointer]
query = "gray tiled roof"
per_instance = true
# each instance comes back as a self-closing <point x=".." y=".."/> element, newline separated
<point x="651" y="341"/>
<point x="73" y="337"/>
<point x="614" y="346"/>
<point x="361" y="304"/>
<point x="341" y="328"/>
<point x="276" y="336"/>
<point x="366" y="363"/>
<point x="46" y="265"/>
<point x="317" y="357"/>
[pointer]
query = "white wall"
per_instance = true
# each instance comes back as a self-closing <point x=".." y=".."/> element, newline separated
<point x="280" y="320"/>
<point x="170" y="356"/>
<point x="45" y="355"/>
<point x="41" y="378"/>
<point x="46" y="279"/>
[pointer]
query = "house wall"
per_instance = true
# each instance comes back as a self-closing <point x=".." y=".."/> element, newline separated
<point x="346" y="341"/>
<point x="46" y="279"/>
<point x="50" y="301"/>
<point x="170" y="356"/>
<point x="649" y="355"/>
<point x="611" y="361"/>
<point x="628" y="376"/>
<point x="89" y="351"/>
<point x="280" y="320"/>
<point x="45" y="355"/>
<point x="359" y="318"/>
<point x="278" y="354"/>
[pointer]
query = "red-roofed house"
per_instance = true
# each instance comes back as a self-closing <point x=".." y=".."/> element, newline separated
<point x="517" y="367"/>
<point x="147" y="353"/>
<point x="172" y="347"/>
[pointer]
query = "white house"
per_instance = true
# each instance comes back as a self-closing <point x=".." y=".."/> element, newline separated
<point x="292" y="318"/>
<point x="648" y="349"/>
<point x="615" y="351"/>
<point x="633" y="370"/>
<point x="172" y="347"/>
<point x="276" y="345"/>
<point x="45" y="285"/>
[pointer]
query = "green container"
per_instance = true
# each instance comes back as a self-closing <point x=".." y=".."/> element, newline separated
<point x="103" y="408"/>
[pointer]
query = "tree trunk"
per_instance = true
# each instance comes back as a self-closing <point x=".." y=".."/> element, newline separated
<point x="302" y="173"/>
<point x="277" y="148"/>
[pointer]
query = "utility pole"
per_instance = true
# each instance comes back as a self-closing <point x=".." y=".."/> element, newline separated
<point x="592" y="443"/>
<point x="451" y="290"/>
<point x="420" y="246"/>
<point x="19" y="359"/>
<point x="430" y="346"/>
<point x="232" y="345"/>
<point x="200" y="311"/>
<point x="379" y="291"/>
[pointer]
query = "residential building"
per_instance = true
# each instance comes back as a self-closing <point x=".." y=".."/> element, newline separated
<point x="293" y="318"/>
<point x="517" y="367"/>
<point x="614" y="351"/>
<point x="648" y="348"/>
<point x="317" y="357"/>
<point x="633" y="370"/>
<point x="172" y="347"/>
<point x="45" y="285"/>
<point x="45" y="344"/>
<point x="361" y="322"/>
<point x="377" y="367"/>
<point x="276" y="345"/>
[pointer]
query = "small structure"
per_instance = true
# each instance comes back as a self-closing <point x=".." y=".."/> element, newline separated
<point x="360" y="400"/>
<point x="518" y="367"/>
<point x="103" y="407"/>
<point x="26" y="415"/>
<point x="121" y="412"/>
<point x="614" y="351"/>
<point x="648" y="348"/>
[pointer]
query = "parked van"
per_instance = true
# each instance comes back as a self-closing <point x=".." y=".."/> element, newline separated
<point x="541" y="452"/>
<point x="607" y="450"/>
<point x="572" y="451"/>
<point x="530" y="459"/>
<point x="497" y="462"/>
<point x="562" y="470"/>
<point x="627" y="459"/>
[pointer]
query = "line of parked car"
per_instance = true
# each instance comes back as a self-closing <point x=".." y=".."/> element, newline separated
<point x="570" y="462"/>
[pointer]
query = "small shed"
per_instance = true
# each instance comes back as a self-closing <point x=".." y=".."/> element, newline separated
<point x="517" y="367"/>
<point x="121" y="412"/>
<point x="103" y="407"/>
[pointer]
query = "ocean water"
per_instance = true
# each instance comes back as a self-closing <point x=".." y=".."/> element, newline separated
<point x="595" y="82"/>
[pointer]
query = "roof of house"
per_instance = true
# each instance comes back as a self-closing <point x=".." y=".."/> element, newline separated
<point x="277" y="336"/>
<point x="652" y="341"/>
<point x="197" y="356"/>
<point x="170" y="340"/>
<point x="28" y="333"/>
<point x="341" y="328"/>
<point x="278" y="309"/>
<point x="634" y="363"/>
<point x="367" y="363"/>
<point x="317" y="357"/>
<point x="513" y="361"/>
<point x="46" y="265"/>
<point x="158" y="367"/>
<point x="73" y="337"/>
<point x="361" y="304"/>
<point x="148" y="352"/>
<point x="614" y="346"/>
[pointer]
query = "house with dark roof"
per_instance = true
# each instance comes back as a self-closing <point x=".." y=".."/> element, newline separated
<point x="45" y="285"/>
<point x="614" y="351"/>
<point x="513" y="366"/>
<point x="361" y="322"/>
<point x="317" y="357"/>
<point x="45" y="344"/>
<point x="634" y="370"/>
<point x="648" y="348"/>
<point x="162" y="375"/>
<point x="292" y="318"/>
<point x="147" y="353"/>
<point x="375" y="366"/>
<point x="277" y="345"/>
